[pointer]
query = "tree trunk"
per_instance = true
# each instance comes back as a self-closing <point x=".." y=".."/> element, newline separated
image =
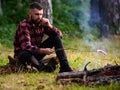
<point x="94" y="13"/>
<point x="113" y="8"/>
<point x="0" y="9"/>
<point x="99" y="17"/>
<point x="47" y="6"/>
<point x="109" y="13"/>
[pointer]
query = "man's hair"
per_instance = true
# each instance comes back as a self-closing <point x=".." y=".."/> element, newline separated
<point x="36" y="5"/>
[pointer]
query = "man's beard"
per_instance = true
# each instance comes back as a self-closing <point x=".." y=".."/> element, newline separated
<point x="36" y="22"/>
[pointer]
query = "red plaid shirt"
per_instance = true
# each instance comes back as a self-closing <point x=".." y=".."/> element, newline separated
<point x="28" y="36"/>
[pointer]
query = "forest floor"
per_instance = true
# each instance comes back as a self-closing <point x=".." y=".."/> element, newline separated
<point x="78" y="52"/>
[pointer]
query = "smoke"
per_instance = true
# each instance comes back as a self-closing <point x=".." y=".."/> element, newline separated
<point x="87" y="22"/>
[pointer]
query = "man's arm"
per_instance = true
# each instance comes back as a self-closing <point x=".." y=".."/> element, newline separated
<point x="50" y="28"/>
<point x="25" y="42"/>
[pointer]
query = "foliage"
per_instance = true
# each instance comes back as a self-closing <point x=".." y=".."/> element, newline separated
<point x="73" y="18"/>
<point x="14" y="11"/>
<point x="7" y="34"/>
<point x="64" y="15"/>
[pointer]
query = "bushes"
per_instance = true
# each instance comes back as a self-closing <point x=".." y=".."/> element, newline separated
<point x="64" y="16"/>
<point x="7" y="34"/>
<point x="14" y="11"/>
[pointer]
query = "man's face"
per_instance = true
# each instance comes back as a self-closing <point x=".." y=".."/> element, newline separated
<point x="36" y="15"/>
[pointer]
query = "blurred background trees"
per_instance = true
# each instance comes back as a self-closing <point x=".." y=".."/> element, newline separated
<point x="0" y="8"/>
<point x="90" y="19"/>
<point x="106" y="15"/>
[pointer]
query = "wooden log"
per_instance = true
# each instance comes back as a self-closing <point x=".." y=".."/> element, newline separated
<point x="92" y="80"/>
<point x="105" y="71"/>
<point x="95" y="77"/>
<point x="14" y="66"/>
<point x="102" y="80"/>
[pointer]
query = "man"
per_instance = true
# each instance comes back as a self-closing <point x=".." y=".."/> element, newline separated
<point x="28" y="45"/>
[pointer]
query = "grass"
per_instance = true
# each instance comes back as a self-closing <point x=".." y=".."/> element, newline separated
<point x="79" y="53"/>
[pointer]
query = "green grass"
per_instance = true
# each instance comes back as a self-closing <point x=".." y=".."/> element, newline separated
<point x="44" y="81"/>
<point x="79" y="53"/>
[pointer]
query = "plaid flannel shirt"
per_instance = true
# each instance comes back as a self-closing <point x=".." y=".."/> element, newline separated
<point x="28" y="36"/>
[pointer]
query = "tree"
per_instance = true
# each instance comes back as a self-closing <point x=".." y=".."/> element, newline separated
<point x="47" y="6"/>
<point x="98" y="17"/>
<point x="109" y="13"/>
<point x="0" y="9"/>
<point x="113" y="8"/>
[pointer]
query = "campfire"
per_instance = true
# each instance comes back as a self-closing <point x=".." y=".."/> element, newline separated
<point x="101" y="76"/>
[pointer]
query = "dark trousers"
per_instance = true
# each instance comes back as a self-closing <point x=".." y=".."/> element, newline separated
<point x="52" y="41"/>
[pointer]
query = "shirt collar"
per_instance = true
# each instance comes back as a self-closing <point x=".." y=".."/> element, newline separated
<point x="31" y="23"/>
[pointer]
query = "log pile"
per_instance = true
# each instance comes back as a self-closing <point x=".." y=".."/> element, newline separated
<point x="13" y="66"/>
<point x="101" y="76"/>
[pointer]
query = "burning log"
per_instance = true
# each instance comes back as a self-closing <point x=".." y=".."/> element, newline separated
<point x="87" y="77"/>
<point x="109" y="70"/>
<point x="102" y="80"/>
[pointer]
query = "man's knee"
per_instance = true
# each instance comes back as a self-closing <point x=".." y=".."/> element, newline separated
<point x="56" y="37"/>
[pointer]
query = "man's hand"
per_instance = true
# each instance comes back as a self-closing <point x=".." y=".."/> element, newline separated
<point x="60" y="33"/>
<point x="47" y="22"/>
<point x="46" y="51"/>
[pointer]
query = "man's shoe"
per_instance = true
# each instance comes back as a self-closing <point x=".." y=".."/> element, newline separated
<point x="65" y="69"/>
<point x="41" y="67"/>
<point x="48" y="65"/>
<point x="50" y="61"/>
<point x="53" y="61"/>
<point x="50" y="68"/>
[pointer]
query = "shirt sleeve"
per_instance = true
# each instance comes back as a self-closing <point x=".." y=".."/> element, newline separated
<point x="25" y="40"/>
<point x="52" y="31"/>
